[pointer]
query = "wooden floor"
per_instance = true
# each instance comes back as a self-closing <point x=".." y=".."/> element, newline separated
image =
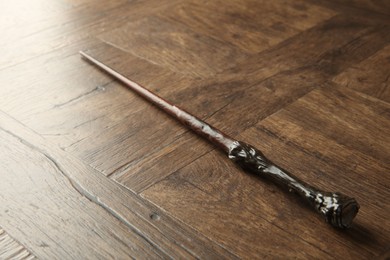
<point x="90" y="170"/>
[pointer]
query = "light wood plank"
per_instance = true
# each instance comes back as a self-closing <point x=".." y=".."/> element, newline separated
<point x="11" y="249"/>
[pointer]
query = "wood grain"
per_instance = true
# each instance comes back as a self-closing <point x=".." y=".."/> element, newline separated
<point x="90" y="170"/>
<point x="299" y="65"/>
<point x="371" y="76"/>
<point x="330" y="161"/>
<point x="70" y="200"/>
<point x="216" y="97"/>
<point x="252" y="26"/>
<point x="381" y="6"/>
<point x="11" y="249"/>
<point x="173" y="46"/>
<point x="222" y="222"/>
<point x="47" y="31"/>
<point x="52" y="200"/>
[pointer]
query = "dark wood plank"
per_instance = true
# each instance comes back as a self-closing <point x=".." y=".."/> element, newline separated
<point x="298" y="65"/>
<point x="303" y="143"/>
<point x="223" y="98"/>
<point x="350" y="118"/>
<point x="77" y="201"/>
<point x="247" y="234"/>
<point x="11" y="249"/>
<point x="380" y="6"/>
<point x="152" y="166"/>
<point x="249" y="102"/>
<point x="259" y="70"/>
<point x="370" y="76"/>
<point x="83" y="118"/>
<point x="329" y="160"/>
<point x="253" y="26"/>
<point x="174" y="46"/>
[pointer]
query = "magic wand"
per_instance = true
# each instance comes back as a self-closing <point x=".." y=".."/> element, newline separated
<point x="339" y="210"/>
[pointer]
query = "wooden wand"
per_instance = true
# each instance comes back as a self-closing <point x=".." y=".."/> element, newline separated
<point x="337" y="209"/>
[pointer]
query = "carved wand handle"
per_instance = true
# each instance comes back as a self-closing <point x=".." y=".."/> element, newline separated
<point x="337" y="209"/>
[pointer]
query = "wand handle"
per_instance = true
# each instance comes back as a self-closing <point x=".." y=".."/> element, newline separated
<point x="338" y="210"/>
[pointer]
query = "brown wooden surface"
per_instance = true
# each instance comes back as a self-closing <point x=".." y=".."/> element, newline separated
<point x="90" y="170"/>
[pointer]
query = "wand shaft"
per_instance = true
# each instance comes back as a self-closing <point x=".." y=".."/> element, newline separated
<point x="220" y="139"/>
<point x="339" y="210"/>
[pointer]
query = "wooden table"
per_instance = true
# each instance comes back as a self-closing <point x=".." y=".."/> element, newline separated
<point x="90" y="170"/>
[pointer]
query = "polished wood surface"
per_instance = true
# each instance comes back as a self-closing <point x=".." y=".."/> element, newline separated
<point x="91" y="170"/>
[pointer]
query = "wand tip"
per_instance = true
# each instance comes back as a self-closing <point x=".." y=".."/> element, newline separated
<point x="86" y="56"/>
<point x="82" y="53"/>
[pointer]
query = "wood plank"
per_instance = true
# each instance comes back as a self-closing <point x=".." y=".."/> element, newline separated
<point x="370" y="76"/>
<point x="57" y="96"/>
<point x="77" y="201"/>
<point x="62" y="79"/>
<point x="351" y="119"/>
<point x="43" y="30"/>
<point x="303" y="143"/>
<point x="81" y="118"/>
<point x="215" y="97"/>
<point x="347" y="165"/>
<point x="47" y="31"/>
<point x="152" y="166"/>
<point x="212" y="97"/>
<point x="56" y="215"/>
<point x="253" y="26"/>
<point x="247" y="234"/>
<point x="11" y="249"/>
<point x="271" y="94"/>
<point x="63" y="106"/>
<point x="296" y="69"/>
<point x="174" y="46"/>
<point x="336" y="43"/>
<point x="256" y="69"/>
<point x="227" y="193"/>
<point x="380" y="6"/>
